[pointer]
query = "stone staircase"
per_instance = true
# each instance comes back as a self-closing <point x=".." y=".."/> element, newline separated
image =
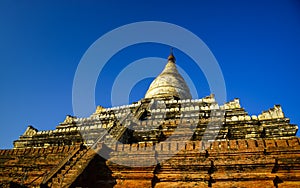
<point x="116" y="132"/>
<point x="72" y="166"/>
<point x="72" y="169"/>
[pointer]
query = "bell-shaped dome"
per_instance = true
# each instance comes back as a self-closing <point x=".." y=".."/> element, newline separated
<point x="169" y="83"/>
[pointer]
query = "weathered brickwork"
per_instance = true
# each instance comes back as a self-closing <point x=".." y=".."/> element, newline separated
<point x="246" y="163"/>
<point x="31" y="165"/>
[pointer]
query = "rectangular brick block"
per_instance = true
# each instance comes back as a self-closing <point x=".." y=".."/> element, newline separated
<point x="10" y="152"/>
<point x="42" y="150"/>
<point x="126" y="147"/>
<point x="149" y="146"/>
<point x="233" y="144"/>
<point x="242" y="144"/>
<point x="60" y="149"/>
<point x="293" y="142"/>
<point x="281" y="143"/>
<point x="66" y="149"/>
<point x="197" y="145"/>
<point x="270" y="143"/>
<point x="215" y="145"/>
<point x="36" y="150"/>
<point x="166" y="146"/>
<point x="252" y="144"/>
<point x="120" y="147"/>
<point x="55" y="149"/>
<point x="260" y="144"/>
<point x="174" y="146"/>
<point x="190" y="146"/>
<point x="142" y="146"/>
<point x="134" y="147"/>
<point x="50" y="149"/>
<point x="181" y="145"/>
<point x="224" y="145"/>
<point x="21" y="152"/>
<point x="15" y="151"/>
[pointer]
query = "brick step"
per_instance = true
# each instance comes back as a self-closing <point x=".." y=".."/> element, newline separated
<point x="81" y="151"/>
<point x="65" y="185"/>
<point x="72" y="171"/>
<point x="55" y="180"/>
<point x="67" y="167"/>
<point x="63" y="171"/>
<point x="60" y="176"/>
<point x="68" y="179"/>
<point x="56" y="185"/>
<point x="69" y="175"/>
<point x="75" y="158"/>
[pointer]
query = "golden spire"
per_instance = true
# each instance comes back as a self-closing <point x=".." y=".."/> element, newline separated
<point x="171" y="56"/>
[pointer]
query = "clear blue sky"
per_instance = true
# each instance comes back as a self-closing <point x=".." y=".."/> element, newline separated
<point x="256" y="42"/>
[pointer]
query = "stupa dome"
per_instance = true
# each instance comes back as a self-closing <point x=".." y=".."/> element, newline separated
<point x="169" y="83"/>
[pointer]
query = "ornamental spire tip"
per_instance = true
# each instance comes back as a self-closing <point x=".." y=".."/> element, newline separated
<point x="171" y="56"/>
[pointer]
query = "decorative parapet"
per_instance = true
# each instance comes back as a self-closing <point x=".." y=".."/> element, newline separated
<point x="30" y="131"/>
<point x="272" y="113"/>
<point x="70" y="120"/>
<point x="231" y="104"/>
<point x="209" y="99"/>
<point x="220" y="146"/>
<point x="99" y="109"/>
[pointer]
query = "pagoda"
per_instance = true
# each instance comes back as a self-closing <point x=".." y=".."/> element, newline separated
<point x="166" y="139"/>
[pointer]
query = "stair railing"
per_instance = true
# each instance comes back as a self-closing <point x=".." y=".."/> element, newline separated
<point x="58" y="167"/>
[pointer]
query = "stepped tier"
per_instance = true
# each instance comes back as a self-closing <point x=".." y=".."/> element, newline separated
<point x="156" y="120"/>
<point x="232" y="163"/>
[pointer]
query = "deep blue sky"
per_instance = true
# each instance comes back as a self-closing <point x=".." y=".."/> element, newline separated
<point x="256" y="42"/>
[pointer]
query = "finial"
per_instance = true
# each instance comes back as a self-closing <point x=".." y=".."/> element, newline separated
<point x="171" y="56"/>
